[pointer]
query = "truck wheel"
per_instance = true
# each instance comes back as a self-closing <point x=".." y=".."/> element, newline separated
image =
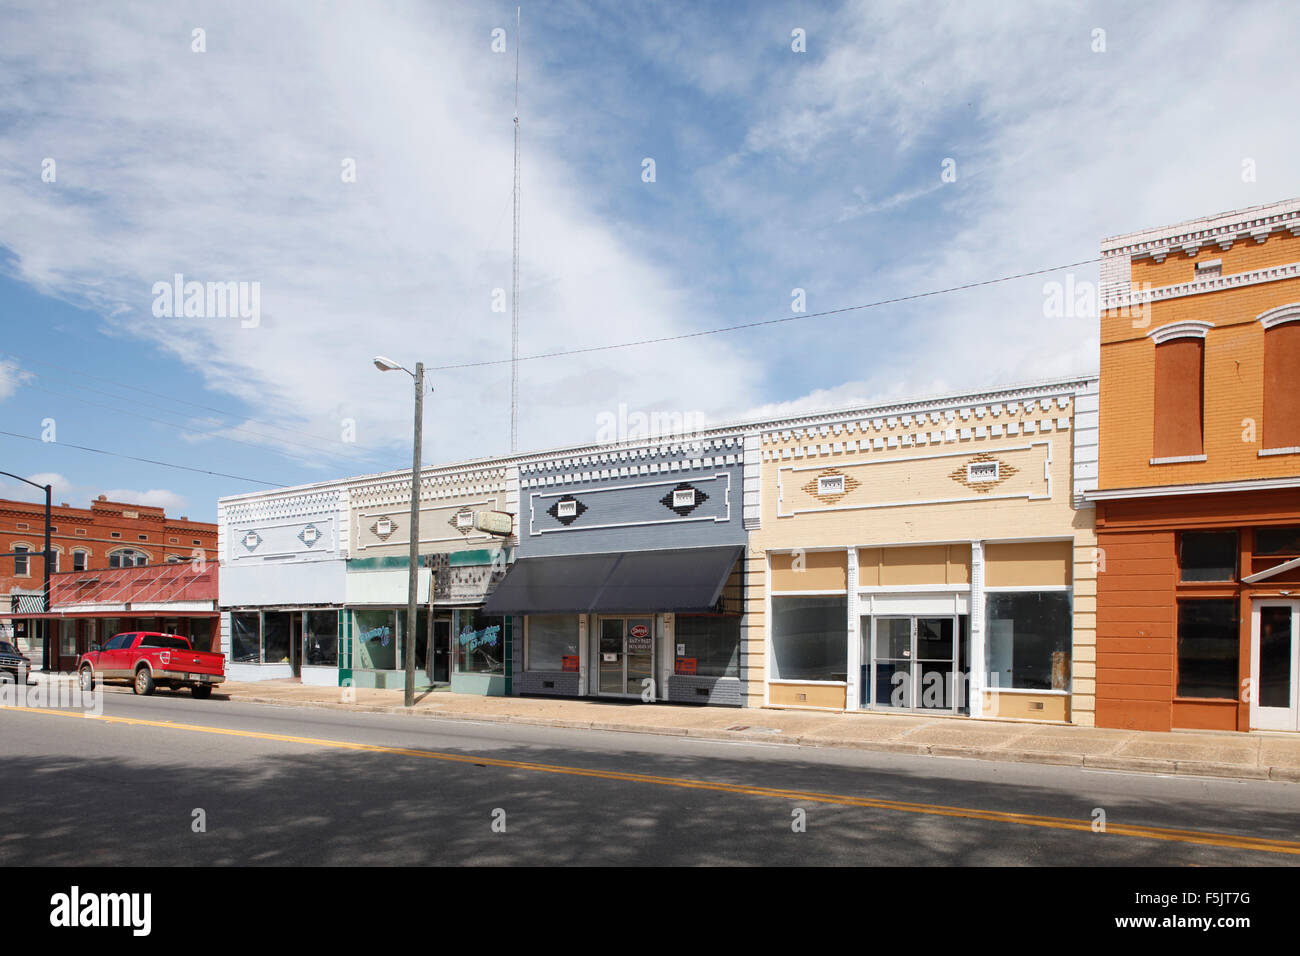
<point x="144" y="685"/>
<point x="201" y="691"/>
<point x="7" y="677"/>
<point x="87" y="678"/>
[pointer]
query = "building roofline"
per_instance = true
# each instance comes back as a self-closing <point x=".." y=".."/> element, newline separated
<point x="1205" y="227"/>
<point x="736" y="427"/>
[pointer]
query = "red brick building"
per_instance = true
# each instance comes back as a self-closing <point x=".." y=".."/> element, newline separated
<point x="108" y="534"/>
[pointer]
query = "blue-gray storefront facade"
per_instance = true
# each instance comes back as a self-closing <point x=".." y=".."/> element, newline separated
<point x="629" y="570"/>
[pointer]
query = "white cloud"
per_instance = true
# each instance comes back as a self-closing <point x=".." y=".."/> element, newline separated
<point x="11" y="377"/>
<point x="65" y="490"/>
<point x="226" y="166"/>
<point x="169" y="501"/>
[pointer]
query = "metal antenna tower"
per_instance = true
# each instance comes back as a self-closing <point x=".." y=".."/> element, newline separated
<point x="514" y="279"/>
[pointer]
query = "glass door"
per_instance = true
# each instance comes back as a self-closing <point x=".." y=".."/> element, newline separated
<point x="1275" y="666"/>
<point x="611" y="655"/>
<point x="625" y="655"/>
<point x="440" y="670"/>
<point x="639" y="655"/>
<point x="935" y="663"/>
<point x="893" y="662"/>
<point x="915" y="663"/>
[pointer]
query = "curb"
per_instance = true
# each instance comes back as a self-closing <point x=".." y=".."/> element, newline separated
<point x="1148" y="765"/>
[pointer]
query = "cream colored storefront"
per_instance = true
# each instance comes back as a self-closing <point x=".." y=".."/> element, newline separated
<point x="929" y="557"/>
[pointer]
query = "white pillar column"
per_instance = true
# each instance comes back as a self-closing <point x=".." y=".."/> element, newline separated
<point x="852" y="693"/>
<point x="667" y="656"/>
<point x="584" y="655"/>
<point x="978" y="667"/>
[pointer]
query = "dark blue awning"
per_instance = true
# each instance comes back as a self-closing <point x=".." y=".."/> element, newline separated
<point x="686" y="580"/>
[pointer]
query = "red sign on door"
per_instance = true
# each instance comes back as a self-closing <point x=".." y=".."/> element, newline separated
<point x="686" y="665"/>
<point x="569" y="662"/>
<point x="639" y="630"/>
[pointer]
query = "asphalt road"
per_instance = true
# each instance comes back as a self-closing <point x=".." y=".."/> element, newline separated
<point x="280" y="785"/>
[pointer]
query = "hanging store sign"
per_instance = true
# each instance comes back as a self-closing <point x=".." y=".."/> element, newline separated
<point x="500" y="523"/>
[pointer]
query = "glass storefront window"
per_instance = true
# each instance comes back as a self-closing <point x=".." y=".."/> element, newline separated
<point x="245" y="637"/>
<point x="275" y="637"/>
<point x="322" y="641"/>
<point x="708" y="645"/>
<point x="421" y="638"/>
<point x="810" y="638"/>
<point x="1207" y="555"/>
<point x="551" y="638"/>
<point x="480" y="643"/>
<point x="1208" y="638"/>
<point x="1029" y="638"/>
<point x="375" y="639"/>
<point x="201" y="634"/>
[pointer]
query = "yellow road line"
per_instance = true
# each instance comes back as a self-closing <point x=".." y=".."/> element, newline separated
<point x="1199" y="837"/>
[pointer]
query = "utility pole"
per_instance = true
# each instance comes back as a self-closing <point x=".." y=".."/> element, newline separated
<point x="514" y="277"/>
<point x="46" y="554"/>
<point x="413" y="581"/>
<point x="413" y="572"/>
<point x="49" y="553"/>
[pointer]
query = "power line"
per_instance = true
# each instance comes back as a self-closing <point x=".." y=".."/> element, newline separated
<point x="170" y="398"/>
<point x="147" y="461"/>
<point x="764" y="322"/>
<point x="184" y="426"/>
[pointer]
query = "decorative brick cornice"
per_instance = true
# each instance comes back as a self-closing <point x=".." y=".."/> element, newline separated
<point x="1222" y="230"/>
<point x="1236" y="280"/>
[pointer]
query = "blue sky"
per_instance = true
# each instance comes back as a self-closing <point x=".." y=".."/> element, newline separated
<point x="774" y="170"/>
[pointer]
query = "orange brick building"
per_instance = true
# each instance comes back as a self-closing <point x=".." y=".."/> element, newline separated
<point x="108" y="534"/>
<point x="1198" y="499"/>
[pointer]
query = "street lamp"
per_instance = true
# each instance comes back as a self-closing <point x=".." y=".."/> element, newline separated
<point x="45" y="621"/>
<point x="388" y="365"/>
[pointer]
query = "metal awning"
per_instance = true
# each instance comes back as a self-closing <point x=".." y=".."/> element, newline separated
<point x="685" y="580"/>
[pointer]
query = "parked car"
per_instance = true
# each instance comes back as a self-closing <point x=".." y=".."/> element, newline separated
<point x="14" y="664"/>
<point x="148" y="660"/>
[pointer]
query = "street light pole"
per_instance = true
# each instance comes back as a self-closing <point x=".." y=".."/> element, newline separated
<point x="412" y="584"/>
<point x="46" y="555"/>
<point x="49" y="553"/>
<point x="413" y="572"/>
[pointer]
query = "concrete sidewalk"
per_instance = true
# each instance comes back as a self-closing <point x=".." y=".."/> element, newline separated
<point x="1254" y="756"/>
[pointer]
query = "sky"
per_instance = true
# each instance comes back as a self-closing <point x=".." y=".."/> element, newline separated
<point x="348" y="167"/>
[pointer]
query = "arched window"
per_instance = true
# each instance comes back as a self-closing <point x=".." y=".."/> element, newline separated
<point x="1179" y="401"/>
<point x="80" y="559"/>
<point x="127" y="558"/>
<point x="1281" y="431"/>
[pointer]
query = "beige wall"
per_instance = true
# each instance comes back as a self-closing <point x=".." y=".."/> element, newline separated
<point x="912" y="510"/>
<point x="441" y="497"/>
<point x="918" y="564"/>
<point x="807" y="695"/>
<point x="809" y="571"/>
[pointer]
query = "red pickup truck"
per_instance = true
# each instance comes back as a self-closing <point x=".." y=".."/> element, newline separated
<point x="149" y="660"/>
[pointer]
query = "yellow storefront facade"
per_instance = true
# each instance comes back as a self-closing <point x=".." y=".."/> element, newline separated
<point x="932" y="556"/>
